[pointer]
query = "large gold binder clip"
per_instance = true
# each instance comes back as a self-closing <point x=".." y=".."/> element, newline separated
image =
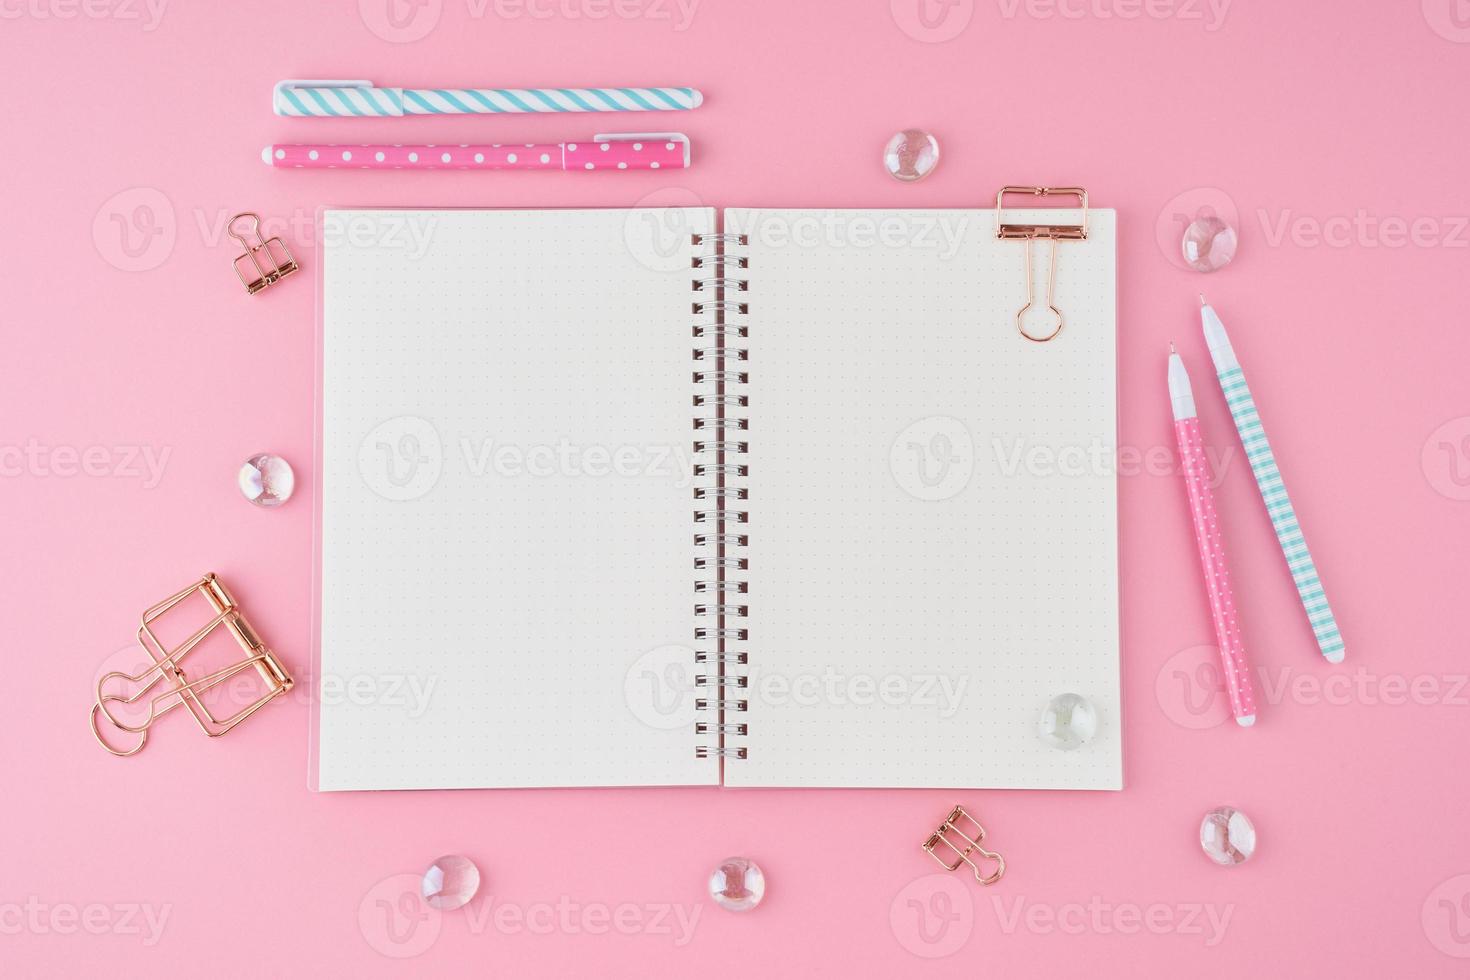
<point x="960" y="826"/>
<point x="269" y="260"/>
<point x="1029" y="232"/>
<point x="179" y="689"/>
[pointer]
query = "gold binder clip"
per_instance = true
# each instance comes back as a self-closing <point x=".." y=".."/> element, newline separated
<point x="952" y="827"/>
<point x="1051" y="232"/>
<point x="181" y="690"/>
<point x="262" y="255"/>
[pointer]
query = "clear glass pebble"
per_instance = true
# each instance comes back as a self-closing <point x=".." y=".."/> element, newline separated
<point x="737" y="884"/>
<point x="1209" y="243"/>
<point x="1227" y="836"/>
<point x="1069" y="721"/>
<point x="451" y="882"/>
<point x="267" y="480"/>
<point x="911" y="155"/>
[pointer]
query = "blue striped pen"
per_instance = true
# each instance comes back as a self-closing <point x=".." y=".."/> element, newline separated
<point x="1273" y="489"/>
<point x="337" y="97"/>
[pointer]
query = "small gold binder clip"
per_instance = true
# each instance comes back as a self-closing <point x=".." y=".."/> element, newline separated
<point x="957" y="826"/>
<point x="263" y="256"/>
<point x="179" y="689"/>
<point x="1053" y="233"/>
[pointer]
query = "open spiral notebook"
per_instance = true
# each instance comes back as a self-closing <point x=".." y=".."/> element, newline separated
<point x="633" y="498"/>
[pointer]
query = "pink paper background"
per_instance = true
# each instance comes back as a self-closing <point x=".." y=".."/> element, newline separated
<point x="129" y="333"/>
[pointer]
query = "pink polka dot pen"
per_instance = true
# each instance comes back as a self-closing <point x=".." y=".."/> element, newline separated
<point x="1211" y="549"/>
<point x="608" y="153"/>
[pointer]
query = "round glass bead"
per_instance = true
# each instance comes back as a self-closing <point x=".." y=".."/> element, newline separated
<point x="1209" y="243"/>
<point x="450" y="882"/>
<point x="1069" y="721"/>
<point x="267" y="480"/>
<point x="911" y="155"/>
<point x="737" y="884"/>
<point x="1227" y="836"/>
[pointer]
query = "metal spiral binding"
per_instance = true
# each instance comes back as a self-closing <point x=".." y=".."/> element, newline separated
<point x="715" y="326"/>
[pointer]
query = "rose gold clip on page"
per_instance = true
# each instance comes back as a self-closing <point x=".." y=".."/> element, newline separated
<point x="179" y="690"/>
<point x="1051" y="232"/>
<point x="957" y="826"/>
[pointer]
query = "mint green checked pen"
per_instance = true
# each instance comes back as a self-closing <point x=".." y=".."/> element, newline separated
<point x="1272" y="487"/>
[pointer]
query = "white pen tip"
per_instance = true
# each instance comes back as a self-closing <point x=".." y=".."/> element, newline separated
<point x="265" y="156"/>
<point x="1202" y="300"/>
<point x="696" y="99"/>
<point x="1171" y="348"/>
<point x="1336" y="656"/>
<point x="1246" y="721"/>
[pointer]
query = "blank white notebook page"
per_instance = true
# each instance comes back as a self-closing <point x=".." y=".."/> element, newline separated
<point x="506" y="498"/>
<point x="933" y="540"/>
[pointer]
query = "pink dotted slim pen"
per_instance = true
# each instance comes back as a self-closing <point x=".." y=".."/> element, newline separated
<point x="1211" y="550"/>
<point x="608" y="154"/>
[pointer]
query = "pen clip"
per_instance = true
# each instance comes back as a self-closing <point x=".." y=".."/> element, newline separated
<point x="679" y="138"/>
<point x="279" y="90"/>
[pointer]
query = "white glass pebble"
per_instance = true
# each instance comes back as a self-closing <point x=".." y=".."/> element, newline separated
<point x="1068" y="722"/>
<point x="1227" y="836"/>
<point x="450" y="882"/>
<point x="267" y="480"/>
<point x="1209" y="243"/>
<point x="737" y="884"/>
<point x="911" y="155"/>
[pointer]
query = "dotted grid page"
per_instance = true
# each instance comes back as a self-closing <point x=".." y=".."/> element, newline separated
<point x="933" y="503"/>
<point x="507" y="505"/>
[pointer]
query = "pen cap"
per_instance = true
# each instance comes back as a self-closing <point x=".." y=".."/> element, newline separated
<point x="1218" y="340"/>
<point x="1180" y="392"/>
<point x="637" y="150"/>
<point x="334" y="97"/>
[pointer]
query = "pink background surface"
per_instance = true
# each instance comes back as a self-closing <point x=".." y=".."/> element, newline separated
<point x="128" y="332"/>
